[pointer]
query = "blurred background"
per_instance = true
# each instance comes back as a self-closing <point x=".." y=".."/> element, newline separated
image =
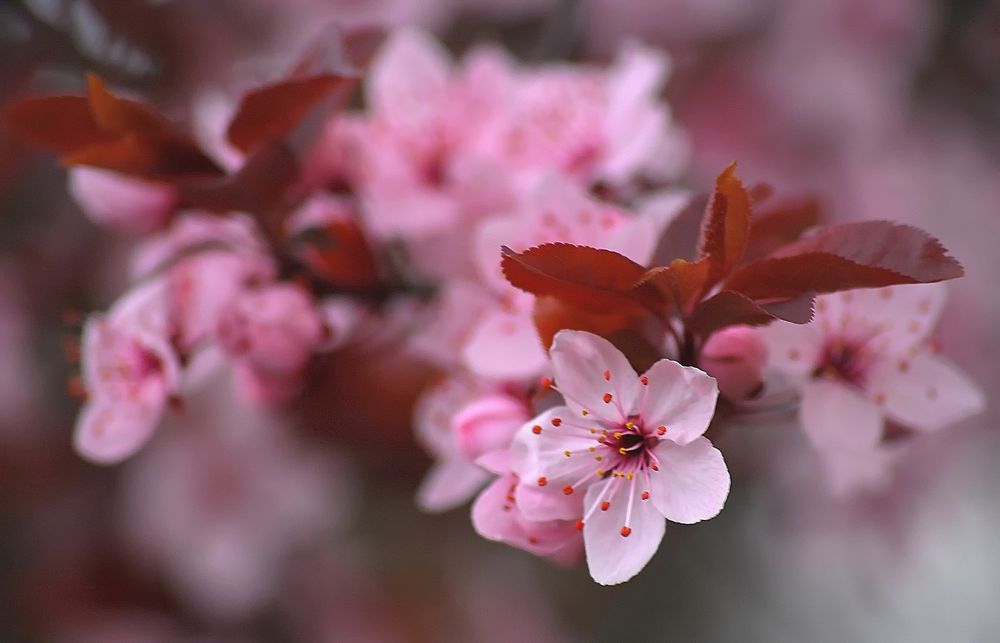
<point x="240" y="525"/>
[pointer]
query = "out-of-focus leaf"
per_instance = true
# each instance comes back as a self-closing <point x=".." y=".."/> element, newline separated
<point x="271" y="112"/>
<point x="123" y="116"/>
<point x="870" y="254"/>
<point x="158" y="159"/>
<point x="679" y="239"/>
<point x="339" y="254"/>
<point x="589" y="278"/>
<point x="57" y="124"/>
<point x="726" y="226"/>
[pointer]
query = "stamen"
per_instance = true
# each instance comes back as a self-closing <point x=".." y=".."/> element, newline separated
<point x="645" y="495"/>
<point x="607" y="398"/>
<point x="644" y="380"/>
<point x="579" y="525"/>
<point x="568" y="490"/>
<point x="626" y="532"/>
<point x="605" y="505"/>
<point x="537" y="430"/>
<point x="542" y="481"/>
<point x="660" y="430"/>
<point x="556" y="421"/>
<point x="607" y="375"/>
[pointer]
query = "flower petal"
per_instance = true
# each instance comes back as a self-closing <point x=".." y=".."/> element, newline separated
<point x="449" y="484"/>
<point x="504" y="345"/>
<point x="835" y="415"/>
<point x="692" y="483"/>
<point x="594" y="376"/>
<point x="108" y="432"/>
<point x="680" y="398"/>
<point x="792" y="348"/>
<point x="904" y="315"/>
<point x="612" y="557"/>
<point x="925" y="391"/>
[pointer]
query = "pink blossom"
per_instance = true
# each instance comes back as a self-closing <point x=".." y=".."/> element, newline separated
<point x="457" y="421"/>
<point x="735" y="357"/>
<point x="130" y="370"/>
<point x="122" y="202"/>
<point x="270" y="332"/>
<point x="866" y="359"/>
<point x="631" y="446"/>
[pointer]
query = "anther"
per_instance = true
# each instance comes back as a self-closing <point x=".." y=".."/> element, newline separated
<point x="545" y="383"/>
<point x="644" y="380"/>
<point x="645" y="495"/>
<point x="556" y="421"/>
<point x="537" y="430"/>
<point x="568" y="490"/>
<point x="607" y="398"/>
<point x="660" y="430"/>
<point x="579" y="524"/>
<point x="542" y="481"/>
<point x="567" y="453"/>
<point x="625" y="532"/>
<point x="607" y="375"/>
<point x="605" y="505"/>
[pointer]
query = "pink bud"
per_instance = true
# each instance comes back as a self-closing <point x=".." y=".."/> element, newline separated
<point x="735" y="356"/>
<point x="488" y="424"/>
<point x="121" y="202"/>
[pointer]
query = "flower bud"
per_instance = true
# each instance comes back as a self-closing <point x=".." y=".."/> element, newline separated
<point x="735" y="357"/>
<point x="488" y="424"/>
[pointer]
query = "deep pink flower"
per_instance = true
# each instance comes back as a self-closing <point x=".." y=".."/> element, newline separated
<point x="130" y="370"/>
<point x="631" y="446"/>
<point x="864" y="359"/>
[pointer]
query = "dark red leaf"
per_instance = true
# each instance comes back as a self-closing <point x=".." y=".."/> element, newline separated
<point x="57" y="124"/>
<point x="552" y="315"/>
<point x="590" y="278"/>
<point x="674" y="287"/>
<point x="679" y="239"/>
<point x="781" y="222"/>
<point x="166" y="159"/>
<point x="339" y="254"/>
<point x="726" y="226"/>
<point x="728" y="308"/>
<point x="272" y="112"/>
<point x="870" y="254"/>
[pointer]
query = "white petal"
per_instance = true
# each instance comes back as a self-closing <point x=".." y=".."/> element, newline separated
<point x="587" y="369"/>
<point x="792" y="348"/>
<point x="692" y="483"/>
<point x="680" y="398"/>
<point x="904" y="315"/>
<point x="108" y="432"/>
<point x="505" y="345"/>
<point x="611" y="557"/>
<point x="924" y="392"/>
<point x="838" y="416"/>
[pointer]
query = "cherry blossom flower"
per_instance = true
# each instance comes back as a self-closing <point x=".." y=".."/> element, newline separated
<point x="130" y="371"/>
<point x="631" y="446"/>
<point x="122" y="202"/>
<point x="864" y="360"/>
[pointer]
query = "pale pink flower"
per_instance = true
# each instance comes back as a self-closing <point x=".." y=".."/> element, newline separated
<point x="458" y="421"/>
<point x="121" y="202"/>
<point x="223" y="501"/>
<point x="735" y="357"/>
<point x="630" y="446"/>
<point x="270" y="332"/>
<point x="865" y="359"/>
<point x="130" y="371"/>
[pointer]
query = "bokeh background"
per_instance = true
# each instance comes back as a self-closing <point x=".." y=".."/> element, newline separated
<point x="240" y="525"/>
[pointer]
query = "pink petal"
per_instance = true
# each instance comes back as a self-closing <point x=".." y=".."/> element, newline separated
<point x="852" y="471"/>
<point x="540" y="445"/>
<point x="611" y="557"/>
<point x="496" y="516"/>
<point x="793" y="348"/>
<point x="505" y="345"/>
<point x="488" y="424"/>
<point x="905" y="315"/>
<point x="692" y="483"/>
<point x="594" y="376"/>
<point x="836" y="415"/>
<point x="924" y="391"/>
<point x="449" y="484"/>
<point x="108" y="432"/>
<point x="680" y="398"/>
<point x="408" y="78"/>
<point x="118" y="201"/>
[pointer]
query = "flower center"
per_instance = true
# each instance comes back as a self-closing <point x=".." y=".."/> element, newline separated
<point x="844" y="360"/>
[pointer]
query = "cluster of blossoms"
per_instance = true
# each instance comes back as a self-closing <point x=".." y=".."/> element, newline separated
<point x="518" y="226"/>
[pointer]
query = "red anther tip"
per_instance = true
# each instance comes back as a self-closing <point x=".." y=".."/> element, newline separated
<point x="605" y="505"/>
<point x="537" y="430"/>
<point x="644" y="380"/>
<point x="545" y="382"/>
<point x="568" y="490"/>
<point x="579" y="524"/>
<point x="542" y="481"/>
<point x="654" y="467"/>
<point x="607" y="375"/>
<point x="625" y="532"/>
<point x="645" y="495"/>
<point x="660" y="430"/>
<point x="607" y="398"/>
<point x="556" y="421"/>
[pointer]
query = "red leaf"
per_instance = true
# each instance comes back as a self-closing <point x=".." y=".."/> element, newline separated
<point x="726" y="226"/>
<point x="728" y="308"/>
<point x="166" y="159"/>
<point x="679" y="239"/>
<point x="589" y="278"/>
<point x="123" y="116"/>
<point x="339" y="254"/>
<point x="57" y="124"/>
<point x="677" y="286"/>
<point x="271" y="112"/>
<point x="780" y="223"/>
<point x="870" y="254"/>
